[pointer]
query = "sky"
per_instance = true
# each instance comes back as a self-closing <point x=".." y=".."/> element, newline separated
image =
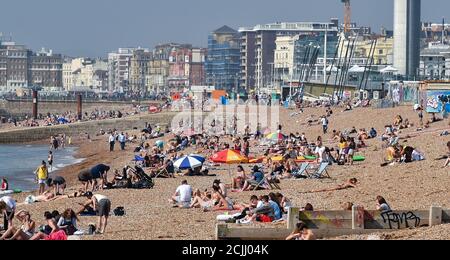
<point x="95" y="27"/>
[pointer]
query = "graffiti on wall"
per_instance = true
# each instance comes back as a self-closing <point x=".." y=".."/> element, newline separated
<point x="438" y="101"/>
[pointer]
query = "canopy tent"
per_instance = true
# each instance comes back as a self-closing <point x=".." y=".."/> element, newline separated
<point x="332" y="69"/>
<point x="357" y="69"/>
<point x="389" y="69"/>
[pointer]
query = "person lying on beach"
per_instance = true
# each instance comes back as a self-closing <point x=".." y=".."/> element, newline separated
<point x="25" y="232"/>
<point x="45" y="197"/>
<point x="344" y="186"/>
<point x="301" y="232"/>
<point x="51" y="232"/>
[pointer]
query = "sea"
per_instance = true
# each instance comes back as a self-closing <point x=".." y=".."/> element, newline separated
<point x="18" y="163"/>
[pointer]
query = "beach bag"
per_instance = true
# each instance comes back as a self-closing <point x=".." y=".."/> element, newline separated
<point x="91" y="229"/>
<point x="119" y="212"/>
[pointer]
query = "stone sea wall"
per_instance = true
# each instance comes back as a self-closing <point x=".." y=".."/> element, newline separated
<point x="91" y="127"/>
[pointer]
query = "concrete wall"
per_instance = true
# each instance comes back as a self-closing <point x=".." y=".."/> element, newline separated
<point x="91" y="127"/>
<point x="22" y="108"/>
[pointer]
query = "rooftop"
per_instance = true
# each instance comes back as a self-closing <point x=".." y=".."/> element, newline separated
<point x="298" y="26"/>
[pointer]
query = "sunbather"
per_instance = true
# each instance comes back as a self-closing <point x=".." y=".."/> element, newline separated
<point x="346" y="185"/>
<point x="25" y="232"/>
<point x="52" y="232"/>
<point x="301" y="232"/>
<point x="224" y="203"/>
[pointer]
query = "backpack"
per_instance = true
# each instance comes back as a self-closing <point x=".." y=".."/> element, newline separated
<point x="119" y="212"/>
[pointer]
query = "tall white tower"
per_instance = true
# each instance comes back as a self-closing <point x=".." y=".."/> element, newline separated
<point x="407" y="31"/>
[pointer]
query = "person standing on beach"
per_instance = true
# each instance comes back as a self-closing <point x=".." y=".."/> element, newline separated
<point x="8" y="210"/>
<point x="42" y="176"/>
<point x="122" y="140"/>
<point x="112" y="142"/>
<point x="50" y="160"/>
<point x="324" y="121"/>
<point x="102" y="205"/>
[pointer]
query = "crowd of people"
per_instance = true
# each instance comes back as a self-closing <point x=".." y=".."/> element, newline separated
<point x="271" y="161"/>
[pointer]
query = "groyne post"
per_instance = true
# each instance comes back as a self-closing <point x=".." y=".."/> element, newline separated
<point x="80" y="107"/>
<point x="35" y="104"/>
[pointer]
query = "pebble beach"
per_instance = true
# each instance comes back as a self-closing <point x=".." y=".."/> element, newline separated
<point x="149" y="215"/>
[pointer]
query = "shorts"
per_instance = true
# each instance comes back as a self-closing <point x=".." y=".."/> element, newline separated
<point x="104" y="207"/>
<point x="350" y="152"/>
<point x="264" y="219"/>
<point x="184" y="204"/>
<point x="42" y="181"/>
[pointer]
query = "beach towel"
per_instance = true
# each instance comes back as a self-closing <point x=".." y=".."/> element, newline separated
<point x="359" y="158"/>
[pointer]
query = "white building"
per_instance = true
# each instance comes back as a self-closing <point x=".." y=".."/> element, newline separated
<point x="119" y="64"/>
<point x="435" y="61"/>
<point x="85" y="73"/>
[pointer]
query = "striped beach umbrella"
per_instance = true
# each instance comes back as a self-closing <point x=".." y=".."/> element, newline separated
<point x="276" y="136"/>
<point x="229" y="157"/>
<point x="189" y="162"/>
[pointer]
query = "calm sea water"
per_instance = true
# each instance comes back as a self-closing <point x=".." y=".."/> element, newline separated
<point x="18" y="163"/>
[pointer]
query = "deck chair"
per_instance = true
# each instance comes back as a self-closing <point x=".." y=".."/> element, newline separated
<point x="138" y="160"/>
<point x="302" y="171"/>
<point x="266" y="183"/>
<point x="321" y="172"/>
<point x="163" y="173"/>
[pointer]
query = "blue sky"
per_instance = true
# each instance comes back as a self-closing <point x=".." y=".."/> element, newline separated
<point x="95" y="27"/>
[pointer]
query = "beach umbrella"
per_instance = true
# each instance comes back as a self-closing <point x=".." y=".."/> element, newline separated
<point x="188" y="162"/>
<point x="276" y="136"/>
<point x="229" y="157"/>
<point x="198" y="157"/>
<point x="267" y="131"/>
